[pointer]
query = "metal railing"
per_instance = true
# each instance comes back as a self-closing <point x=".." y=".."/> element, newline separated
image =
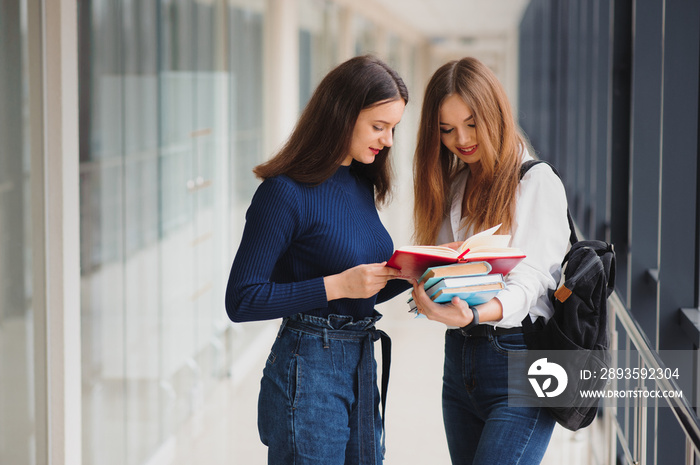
<point x="616" y="433"/>
<point x="634" y="442"/>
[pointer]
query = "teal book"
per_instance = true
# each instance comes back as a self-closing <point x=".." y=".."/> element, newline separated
<point x="473" y="295"/>
<point x="463" y="281"/>
<point x="434" y="274"/>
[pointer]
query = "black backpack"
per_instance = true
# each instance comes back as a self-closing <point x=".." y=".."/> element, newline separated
<point x="579" y="322"/>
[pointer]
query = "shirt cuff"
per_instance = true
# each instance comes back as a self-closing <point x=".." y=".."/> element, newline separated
<point x="512" y="317"/>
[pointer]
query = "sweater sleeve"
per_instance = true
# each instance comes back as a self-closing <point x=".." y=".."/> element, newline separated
<point x="542" y="232"/>
<point x="393" y="288"/>
<point x="272" y="221"/>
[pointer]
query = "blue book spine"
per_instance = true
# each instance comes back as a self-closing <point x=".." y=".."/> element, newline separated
<point x="462" y="281"/>
<point x="471" y="298"/>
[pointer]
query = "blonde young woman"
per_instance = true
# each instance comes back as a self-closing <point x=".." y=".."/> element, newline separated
<point x="467" y="168"/>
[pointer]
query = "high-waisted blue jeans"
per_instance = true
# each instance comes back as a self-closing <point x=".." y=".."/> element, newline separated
<point x="319" y="402"/>
<point x="480" y="426"/>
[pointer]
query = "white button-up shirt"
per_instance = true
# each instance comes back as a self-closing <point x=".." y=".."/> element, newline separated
<point x="540" y="230"/>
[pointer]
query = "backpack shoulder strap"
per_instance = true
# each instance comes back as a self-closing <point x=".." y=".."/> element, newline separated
<point x="525" y="167"/>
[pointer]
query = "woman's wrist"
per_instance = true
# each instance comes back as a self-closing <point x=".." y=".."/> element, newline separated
<point x="491" y="311"/>
<point x="475" y="318"/>
<point x="331" y="284"/>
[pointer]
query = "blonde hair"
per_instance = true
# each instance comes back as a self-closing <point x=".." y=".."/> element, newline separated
<point x="494" y="180"/>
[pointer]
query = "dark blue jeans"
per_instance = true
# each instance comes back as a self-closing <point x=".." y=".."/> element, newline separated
<point x="480" y="426"/>
<point x="319" y="402"/>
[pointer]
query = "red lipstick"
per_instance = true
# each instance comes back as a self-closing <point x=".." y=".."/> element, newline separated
<point x="468" y="151"/>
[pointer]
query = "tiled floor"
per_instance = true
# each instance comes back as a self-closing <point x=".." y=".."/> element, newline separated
<point x="226" y="432"/>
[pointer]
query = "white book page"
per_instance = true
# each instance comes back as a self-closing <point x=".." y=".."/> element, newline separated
<point x="429" y="249"/>
<point x="485" y="238"/>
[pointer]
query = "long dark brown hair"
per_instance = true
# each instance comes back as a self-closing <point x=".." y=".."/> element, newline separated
<point x="494" y="180"/>
<point x="321" y="139"/>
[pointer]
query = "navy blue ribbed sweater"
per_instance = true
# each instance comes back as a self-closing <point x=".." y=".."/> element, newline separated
<point x="295" y="234"/>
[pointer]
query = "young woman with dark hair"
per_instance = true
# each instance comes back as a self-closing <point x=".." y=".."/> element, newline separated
<point x="313" y="252"/>
<point x="467" y="179"/>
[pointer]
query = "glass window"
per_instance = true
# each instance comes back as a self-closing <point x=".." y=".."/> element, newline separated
<point x="365" y="40"/>
<point x="245" y="65"/>
<point x="17" y="415"/>
<point x="318" y="44"/>
<point x="171" y="124"/>
<point x="393" y="58"/>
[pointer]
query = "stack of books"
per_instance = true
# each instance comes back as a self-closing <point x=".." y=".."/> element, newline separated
<point x="473" y="282"/>
<point x="473" y="271"/>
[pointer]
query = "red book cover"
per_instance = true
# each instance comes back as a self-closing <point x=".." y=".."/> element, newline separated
<point x="484" y="246"/>
<point x="413" y="264"/>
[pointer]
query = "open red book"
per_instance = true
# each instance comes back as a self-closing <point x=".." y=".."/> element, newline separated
<point x="484" y="246"/>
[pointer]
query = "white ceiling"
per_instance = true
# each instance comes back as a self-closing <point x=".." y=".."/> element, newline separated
<point x="458" y="20"/>
<point x="486" y="29"/>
